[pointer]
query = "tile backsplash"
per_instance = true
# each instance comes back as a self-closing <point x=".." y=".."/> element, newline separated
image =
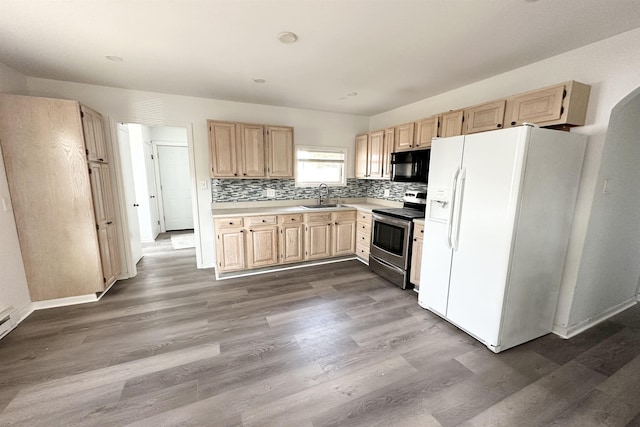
<point x="253" y="190"/>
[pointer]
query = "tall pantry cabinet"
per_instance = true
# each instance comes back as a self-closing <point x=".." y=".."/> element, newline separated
<point x="60" y="185"/>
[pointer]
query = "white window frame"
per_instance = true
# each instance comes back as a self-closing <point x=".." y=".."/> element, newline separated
<point x="341" y="150"/>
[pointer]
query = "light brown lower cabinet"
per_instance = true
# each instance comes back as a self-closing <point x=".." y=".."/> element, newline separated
<point x="363" y="235"/>
<point x="416" y="255"/>
<point x="64" y="217"/>
<point x="262" y="241"/>
<point x="291" y="238"/>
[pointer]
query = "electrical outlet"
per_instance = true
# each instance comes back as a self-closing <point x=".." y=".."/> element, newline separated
<point x="271" y="193"/>
<point x="204" y="185"/>
<point x="386" y="193"/>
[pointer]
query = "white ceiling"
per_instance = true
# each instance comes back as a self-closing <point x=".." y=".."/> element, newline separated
<point x="391" y="52"/>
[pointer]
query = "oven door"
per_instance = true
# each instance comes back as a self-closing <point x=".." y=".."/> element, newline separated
<point x="390" y="238"/>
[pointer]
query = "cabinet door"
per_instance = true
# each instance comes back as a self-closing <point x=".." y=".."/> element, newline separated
<point x="291" y="239"/>
<point x="93" y="131"/>
<point x="362" y="153"/>
<point x="376" y="153"/>
<point x="96" y="179"/>
<point x="104" y="242"/>
<point x="252" y="150"/>
<point x="451" y="123"/>
<point x="280" y="148"/>
<point x="426" y="130"/>
<point x="485" y="117"/>
<point x="344" y="238"/>
<point x="537" y="107"/>
<point x="262" y="246"/>
<point x="230" y="250"/>
<point x="386" y="152"/>
<point x="416" y="262"/>
<point x="404" y="137"/>
<point x="114" y="253"/>
<point x="222" y="147"/>
<point x="317" y="240"/>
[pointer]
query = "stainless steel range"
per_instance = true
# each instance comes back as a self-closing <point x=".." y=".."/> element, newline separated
<point x="391" y="236"/>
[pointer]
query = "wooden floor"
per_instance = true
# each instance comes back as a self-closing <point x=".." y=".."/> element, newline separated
<point x="330" y="345"/>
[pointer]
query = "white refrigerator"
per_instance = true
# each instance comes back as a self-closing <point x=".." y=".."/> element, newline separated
<point x="499" y="211"/>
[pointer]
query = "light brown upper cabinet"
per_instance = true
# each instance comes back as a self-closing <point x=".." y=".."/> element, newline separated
<point x="280" y="151"/>
<point x="252" y="151"/>
<point x="223" y="149"/>
<point x="451" y="123"/>
<point x="388" y="146"/>
<point x="404" y="137"/>
<point x="362" y="154"/>
<point x="563" y="104"/>
<point x="242" y="150"/>
<point x="426" y="130"/>
<point x="369" y="161"/>
<point x="484" y="117"/>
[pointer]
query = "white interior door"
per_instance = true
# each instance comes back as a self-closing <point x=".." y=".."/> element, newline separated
<point x="130" y="197"/>
<point x="173" y="162"/>
<point x="151" y="184"/>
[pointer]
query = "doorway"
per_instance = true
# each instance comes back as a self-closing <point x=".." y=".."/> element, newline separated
<point x="156" y="175"/>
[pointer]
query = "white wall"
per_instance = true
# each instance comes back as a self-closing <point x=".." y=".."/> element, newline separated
<point x="611" y="68"/>
<point x="168" y="133"/>
<point x="14" y="291"/>
<point x="610" y="264"/>
<point x="130" y="106"/>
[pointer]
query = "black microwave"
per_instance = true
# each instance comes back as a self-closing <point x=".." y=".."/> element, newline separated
<point x="410" y="166"/>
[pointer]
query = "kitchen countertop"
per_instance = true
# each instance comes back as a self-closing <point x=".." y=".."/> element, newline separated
<point x="280" y="208"/>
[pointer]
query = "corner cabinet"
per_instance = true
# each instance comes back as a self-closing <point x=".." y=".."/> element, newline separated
<point x="243" y="150"/>
<point x="60" y="183"/>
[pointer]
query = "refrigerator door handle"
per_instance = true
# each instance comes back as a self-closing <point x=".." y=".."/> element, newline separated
<point x="456" y="238"/>
<point x="452" y="207"/>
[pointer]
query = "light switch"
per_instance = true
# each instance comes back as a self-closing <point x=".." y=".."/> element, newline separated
<point x="204" y="185"/>
<point x="6" y="206"/>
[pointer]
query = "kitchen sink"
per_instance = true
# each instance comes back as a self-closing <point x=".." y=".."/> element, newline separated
<point x="323" y="206"/>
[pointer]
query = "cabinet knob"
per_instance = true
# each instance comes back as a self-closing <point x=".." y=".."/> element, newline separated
<point x="230" y="223"/>
<point x="513" y="123"/>
<point x="293" y="219"/>
<point x="499" y="125"/>
<point x="264" y="220"/>
<point x="245" y="174"/>
<point x="235" y="174"/>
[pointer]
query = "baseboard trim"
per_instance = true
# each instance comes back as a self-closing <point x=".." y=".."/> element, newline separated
<point x="567" y="332"/>
<point x="245" y="273"/>
<point x="62" y="302"/>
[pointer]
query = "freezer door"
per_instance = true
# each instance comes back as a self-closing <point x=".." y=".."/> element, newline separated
<point x="483" y="229"/>
<point x="446" y="159"/>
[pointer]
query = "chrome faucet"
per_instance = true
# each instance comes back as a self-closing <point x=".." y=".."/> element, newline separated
<point x="320" y="192"/>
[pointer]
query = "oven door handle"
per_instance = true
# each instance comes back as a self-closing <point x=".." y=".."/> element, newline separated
<point x="390" y="220"/>
<point x="452" y="207"/>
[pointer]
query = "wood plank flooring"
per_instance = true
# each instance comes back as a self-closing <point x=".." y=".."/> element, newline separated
<point x="331" y="345"/>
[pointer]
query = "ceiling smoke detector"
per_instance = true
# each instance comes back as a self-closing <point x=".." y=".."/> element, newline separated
<point x="287" y="37"/>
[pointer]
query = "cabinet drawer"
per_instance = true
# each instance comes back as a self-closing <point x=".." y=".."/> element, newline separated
<point x="343" y="216"/>
<point x="290" y="219"/>
<point x="364" y="217"/>
<point x="317" y="217"/>
<point x="229" y="222"/>
<point x="418" y="231"/>
<point x="364" y="227"/>
<point x="363" y="238"/>
<point x="261" y="220"/>
<point x="362" y="251"/>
